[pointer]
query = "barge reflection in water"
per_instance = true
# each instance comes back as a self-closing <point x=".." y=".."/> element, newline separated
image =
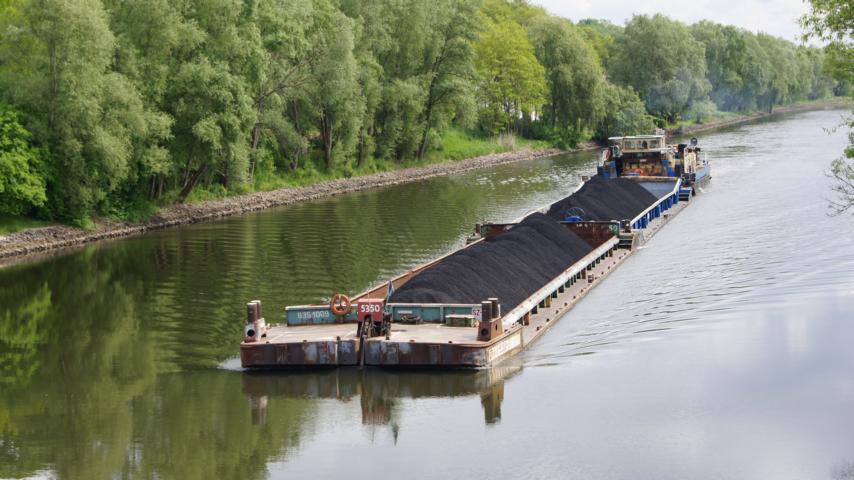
<point x="379" y="391"/>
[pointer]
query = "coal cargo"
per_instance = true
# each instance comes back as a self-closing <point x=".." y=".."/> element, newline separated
<point x="604" y="199"/>
<point x="511" y="266"/>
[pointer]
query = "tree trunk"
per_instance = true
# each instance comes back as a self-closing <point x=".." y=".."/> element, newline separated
<point x="422" y="147"/>
<point x="295" y="115"/>
<point x="256" y="137"/>
<point x="194" y="179"/>
<point x="360" y="157"/>
<point x="187" y="171"/>
<point x="326" y="135"/>
<point x="54" y="89"/>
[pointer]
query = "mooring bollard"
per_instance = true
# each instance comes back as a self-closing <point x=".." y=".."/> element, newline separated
<point x="255" y="327"/>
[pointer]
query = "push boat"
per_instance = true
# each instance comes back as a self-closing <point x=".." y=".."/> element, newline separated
<point x="651" y="156"/>
<point x="370" y="329"/>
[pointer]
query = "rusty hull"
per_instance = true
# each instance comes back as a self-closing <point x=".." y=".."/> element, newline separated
<point x="319" y="353"/>
<point x="382" y="352"/>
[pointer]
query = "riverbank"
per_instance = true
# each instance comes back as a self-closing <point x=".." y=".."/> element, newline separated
<point x="744" y="118"/>
<point x="56" y="237"/>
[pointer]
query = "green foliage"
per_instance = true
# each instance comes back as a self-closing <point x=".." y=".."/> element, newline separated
<point x="22" y="167"/>
<point x="833" y="21"/>
<point x="600" y="34"/>
<point x="512" y="85"/>
<point x="335" y="99"/>
<point x="842" y="172"/>
<point x="87" y="113"/>
<point x="518" y="11"/>
<point x="212" y="113"/>
<point x="15" y="223"/>
<point x="701" y="111"/>
<point x="660" y="59"/>
<point x="459" y="144"/>
<point x="737" y="66"/>
<point x="573" y="76"/>
<point x="142" y="102"/>
<point x="448" y="69"/>
<point x="623" y="113"/>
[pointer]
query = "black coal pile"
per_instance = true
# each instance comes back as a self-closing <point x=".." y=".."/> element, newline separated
<point x="511" y="266"/>
<point x="605" y="199"/>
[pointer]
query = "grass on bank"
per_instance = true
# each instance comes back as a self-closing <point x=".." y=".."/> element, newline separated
<point x="13" y="223"/>
<point x="457" y="144"/>
<point x="718" y="115"/>
<point x="711" y="118"/>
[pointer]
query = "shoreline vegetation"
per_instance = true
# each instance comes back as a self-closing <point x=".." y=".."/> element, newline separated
<point x="114" y="109"/>
<point x="29" y="242"/>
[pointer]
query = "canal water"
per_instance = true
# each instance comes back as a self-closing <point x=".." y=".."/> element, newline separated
<point x="723" y="349"/>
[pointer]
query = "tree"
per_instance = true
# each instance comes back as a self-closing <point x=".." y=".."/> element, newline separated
<point x="660" y="59"/>
<point x="212" y="112"/>
<point x="335" y="99"/>
<point x="677" y="96"/>
<point x="209" y="94"/>
<point x="288" y="32"/>
<point x="22" y="167"/>
<point x="623" y="113"/>
<point x="573" y="75"/>
<point x="519" y="11"/>
<point x="833" y="21"/>
<point x="736" y="65"/>
<point x="87" y="113"/>
<point x="842" y="173"/>
<point x="392" y="54"/>
<point x="448" y="66"/>
<point x="600" y="35"/>
<point x="151" y="38"/>
<point x="512" y="86"/>
<point x="783" y="74"/>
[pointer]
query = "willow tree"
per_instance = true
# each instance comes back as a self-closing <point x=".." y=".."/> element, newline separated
<point x="212" y="112"/>
<point x="152" y="36"/>
<point x="833" y="21"/>
<point x="573" y="76"/>
<point x="624" y="113"/>
<point x="737" y="67"/>
<point x="87" y="113"/>
<point x="512" y="88"/>
<point x="447" y="69"/>
<point x="660" y="59"/>
<point x="391" y="37"/>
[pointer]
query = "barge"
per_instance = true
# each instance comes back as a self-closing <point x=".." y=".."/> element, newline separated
<point x="459" y="330"/>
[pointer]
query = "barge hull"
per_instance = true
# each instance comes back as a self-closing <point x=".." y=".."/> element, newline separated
<point x="321" y="347"/>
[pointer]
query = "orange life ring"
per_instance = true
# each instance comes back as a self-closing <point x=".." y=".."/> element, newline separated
<point x="340" y="304"/>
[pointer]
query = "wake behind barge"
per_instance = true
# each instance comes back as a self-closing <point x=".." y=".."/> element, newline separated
<point x="372" y="329"/>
